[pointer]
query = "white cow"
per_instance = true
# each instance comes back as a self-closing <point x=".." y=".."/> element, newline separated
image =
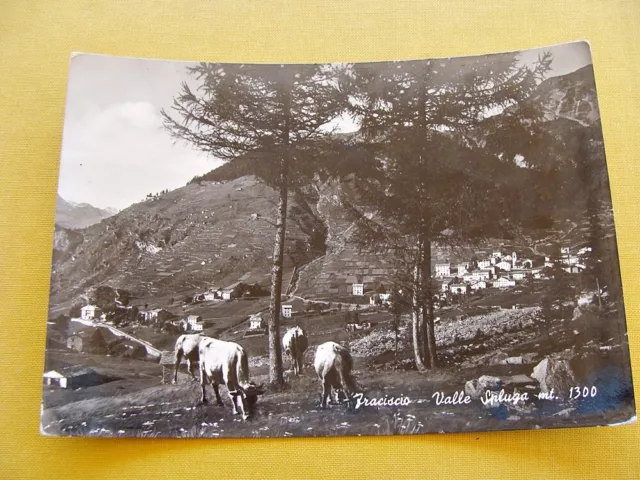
<point x="333" y="364"/>
<point x="187" y="347"/>
<point x="295" y="343"/>
<point x="226" y="363"/>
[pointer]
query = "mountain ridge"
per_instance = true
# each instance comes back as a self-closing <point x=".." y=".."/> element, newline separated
<point x="79" y="215"/>
<point x="218" y="229"/>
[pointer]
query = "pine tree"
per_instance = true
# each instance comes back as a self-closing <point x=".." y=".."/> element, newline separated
<point x="434" y="159"/>
<point x="273" y="115"/>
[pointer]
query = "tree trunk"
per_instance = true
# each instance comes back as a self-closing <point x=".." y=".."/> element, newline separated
<point x="416" y="308"/>
<point x="396" y="326"/>
<point x="276" y="377"/>
<point x="429" y="340"/>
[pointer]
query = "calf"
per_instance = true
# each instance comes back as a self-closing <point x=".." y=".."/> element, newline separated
<point x="187" y="347"/>
<point x="227" y="363"/>
<point x="295" y="343"/>
<point x="333" y="364"/>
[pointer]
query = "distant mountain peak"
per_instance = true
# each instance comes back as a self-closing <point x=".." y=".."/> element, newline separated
<point x="79" y="215"/>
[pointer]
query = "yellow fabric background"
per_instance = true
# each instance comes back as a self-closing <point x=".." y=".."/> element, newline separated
<point x="36" y="39"/>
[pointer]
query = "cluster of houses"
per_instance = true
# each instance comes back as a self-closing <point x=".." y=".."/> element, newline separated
<point x="502" y="271"/>
<point x="497" y="270"/>
<point x="214" y="293"/>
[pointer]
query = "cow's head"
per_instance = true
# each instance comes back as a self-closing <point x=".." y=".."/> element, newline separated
<point x="251" y="392"/>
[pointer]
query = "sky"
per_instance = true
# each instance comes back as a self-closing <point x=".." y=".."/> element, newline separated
<point x="114" y="148"/>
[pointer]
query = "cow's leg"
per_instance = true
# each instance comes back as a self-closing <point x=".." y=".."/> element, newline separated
<point x="203" y="384"/>
<point x="217" y="392"/>
<point x="243" y="410"/>
<point x="344" y="386"/>
<point x="336" y="395"/>
<point x="326" y="391"/>
<point x="178" y="360"/>
<point x="300" y="365"/>
<point x="191" y="366"/>
<point x="233" y="394"/>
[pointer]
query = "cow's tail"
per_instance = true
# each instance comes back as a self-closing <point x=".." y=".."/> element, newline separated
<point x="242" y="370"/>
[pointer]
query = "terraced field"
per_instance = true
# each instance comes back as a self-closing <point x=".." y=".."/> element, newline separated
<point x="186" y="240"/>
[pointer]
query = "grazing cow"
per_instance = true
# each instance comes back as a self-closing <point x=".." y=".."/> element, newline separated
<point x="333" y="364"/>
<point x="227" y="363"/>
<point x="187" y="347"/>
<point x="295" y="343"/>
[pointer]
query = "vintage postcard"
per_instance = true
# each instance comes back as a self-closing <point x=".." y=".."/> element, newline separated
<point x="256" y="250"/>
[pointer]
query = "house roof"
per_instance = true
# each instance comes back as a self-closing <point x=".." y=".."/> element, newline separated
<point x="231" y="287"/>
<point x="92" y="307"/>
<point x="70" y="372"/>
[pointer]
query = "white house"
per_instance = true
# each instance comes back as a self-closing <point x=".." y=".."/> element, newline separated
<point x="75" y="376"/>
<point x="226" y="292"/>
<point x="197" y="327"/>
<point x="520" y="274"/>
<point x="481" y="274"/>
<point x="565" y="250"/>
<point x="89" y="312"/>
<point x="467" y="277"/>
<point x="480" y="285"/>
<point x="496" y="254"/>
<point x="445" y="286"/>
<point x="584" y="250"/>
<point x="570" y="259"/>
<point x="459" y="288"/>
<point x="443" y="269"/>
<point x="384" y="298"/>
<point x="504" y="282"/>
<point x="256" y="322"/>
<point x="463" y="267"/>
<point x="286" y="311"/>
<point x="484" y="263"/>
<point x="358" y="289"/>
<point x="506" y="266"/>
<point x="576" y="268"/>
<point x="193" y="320"/>
<point x="150" y="315"/>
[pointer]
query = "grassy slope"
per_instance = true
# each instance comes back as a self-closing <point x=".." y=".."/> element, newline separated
<point x="142" y="407"/>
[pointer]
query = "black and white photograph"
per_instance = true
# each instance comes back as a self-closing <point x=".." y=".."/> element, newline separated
<point x="339" y="249"/>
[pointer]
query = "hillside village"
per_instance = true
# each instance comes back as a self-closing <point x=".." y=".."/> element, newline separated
<point x="491" y="270"/>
